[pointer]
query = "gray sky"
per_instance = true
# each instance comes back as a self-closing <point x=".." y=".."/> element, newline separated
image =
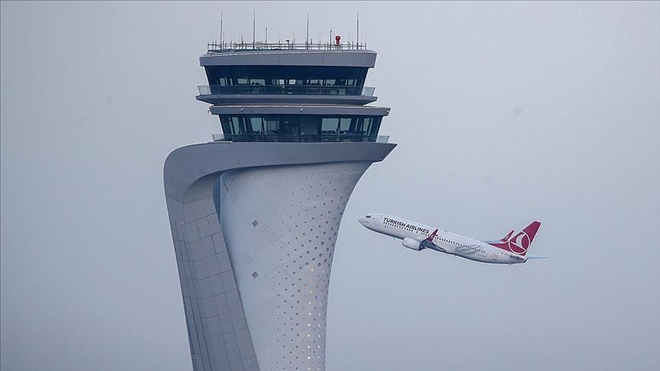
<point x="503" y="112"/>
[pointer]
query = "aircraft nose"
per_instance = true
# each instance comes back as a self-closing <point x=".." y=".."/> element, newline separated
<point x="363" y="220"/>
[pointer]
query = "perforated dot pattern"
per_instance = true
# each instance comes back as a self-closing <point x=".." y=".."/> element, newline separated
<point x="280" y="225"/>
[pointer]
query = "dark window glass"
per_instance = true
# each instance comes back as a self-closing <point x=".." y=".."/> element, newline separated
<point x="366" y="127"/>
<point x="235" y="124"/>
<point x="309" y="128"/>
<point x="289" y="128"/>
<point x="375" y="127"/>
<point x="329" y="125"/>
<point x="286" y="75"/>
<point x="272" y="125"/>
<point x="300" y="128"/>
<point x="226" y="125"/>
<point x="239" y="75"/>
<point x="345" y="125"/>
<point x="255" y="124"/>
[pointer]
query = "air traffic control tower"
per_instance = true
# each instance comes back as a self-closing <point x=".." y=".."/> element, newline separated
<point x="255" y="213"/>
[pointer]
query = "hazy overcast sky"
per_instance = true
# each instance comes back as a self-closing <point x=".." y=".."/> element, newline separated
<point x="503" y="113"/>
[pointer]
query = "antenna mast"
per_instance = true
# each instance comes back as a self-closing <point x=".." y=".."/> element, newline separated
<point x="307" y="32"/>
<point x="357" y="43"/>
<point x="254" y="23"/>
<point x="221" y="41"/>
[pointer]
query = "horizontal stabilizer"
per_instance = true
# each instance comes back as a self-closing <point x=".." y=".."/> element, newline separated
<point x="506" y="238"/>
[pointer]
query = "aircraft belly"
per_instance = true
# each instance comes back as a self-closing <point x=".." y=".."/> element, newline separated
<point x="472" y="253"/>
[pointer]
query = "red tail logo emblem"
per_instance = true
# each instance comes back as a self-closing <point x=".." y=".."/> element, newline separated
<point x="520" y="242"/>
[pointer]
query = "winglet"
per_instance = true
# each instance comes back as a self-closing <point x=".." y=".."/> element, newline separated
<point x="506" y="238"/>
<point x="432" y="236"/>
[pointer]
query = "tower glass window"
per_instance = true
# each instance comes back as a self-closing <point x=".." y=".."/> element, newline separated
<point x="300" y="128"/>
<point x="286" y="80"/>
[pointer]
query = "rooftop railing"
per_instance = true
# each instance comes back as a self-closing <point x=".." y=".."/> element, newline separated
<point x="287" y="89"/>
<point x="355" y="137"/>
<point x="215" y="47"/>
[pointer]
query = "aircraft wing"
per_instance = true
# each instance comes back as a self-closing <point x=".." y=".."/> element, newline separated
<point x="429" y="244"/>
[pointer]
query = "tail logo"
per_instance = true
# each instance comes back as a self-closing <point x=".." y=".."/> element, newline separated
<point x="520" y="243"/>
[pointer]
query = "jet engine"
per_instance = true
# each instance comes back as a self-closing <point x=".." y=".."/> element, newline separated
<point x="412" y="244"/>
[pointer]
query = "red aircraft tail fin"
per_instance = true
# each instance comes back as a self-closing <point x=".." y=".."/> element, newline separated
<point x="520" y="242"/>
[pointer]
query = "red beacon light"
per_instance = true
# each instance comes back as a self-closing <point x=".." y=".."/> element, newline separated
<point x="337" y="39"/>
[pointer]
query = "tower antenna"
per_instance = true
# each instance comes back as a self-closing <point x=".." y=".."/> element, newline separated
<point x="307" y="32"/>
<point x="221" y="42"/>
<point x="254" y="23"/>
<point x="357" y="42"/>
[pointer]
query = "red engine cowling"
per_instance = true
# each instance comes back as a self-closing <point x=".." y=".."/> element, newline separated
<point x="412" y="244"/>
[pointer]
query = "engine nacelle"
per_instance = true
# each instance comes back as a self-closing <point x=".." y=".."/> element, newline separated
<point x="412" y="244"/>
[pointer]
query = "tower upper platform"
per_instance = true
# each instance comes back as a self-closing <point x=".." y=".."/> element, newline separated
<point x="287" y="73"/>
<point x="301" y="54"/>
<point x="291" y="92"/>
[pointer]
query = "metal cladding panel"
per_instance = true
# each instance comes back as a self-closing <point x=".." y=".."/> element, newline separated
<point x="339" y="58"/>
<point x="260" y="109"/>
<point x="280" y="224"/>
<point x="218" y="332"/>
<point x="221" y="99"/>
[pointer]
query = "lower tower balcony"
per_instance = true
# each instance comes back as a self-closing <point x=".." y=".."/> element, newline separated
<point x="319" y="94"/>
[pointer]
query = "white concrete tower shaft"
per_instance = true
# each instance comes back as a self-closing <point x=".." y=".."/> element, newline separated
<point x="280" y="225"/>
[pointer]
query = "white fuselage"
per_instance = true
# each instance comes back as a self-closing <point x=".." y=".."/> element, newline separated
<point x="442" y="241"/>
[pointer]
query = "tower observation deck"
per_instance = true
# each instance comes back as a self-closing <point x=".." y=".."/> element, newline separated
<point x="255" y="213"/>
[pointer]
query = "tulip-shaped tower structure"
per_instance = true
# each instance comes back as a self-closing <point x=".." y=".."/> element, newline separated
<point x="255" y="213"/>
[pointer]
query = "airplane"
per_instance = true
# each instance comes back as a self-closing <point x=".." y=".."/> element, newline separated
<point x="415" y="236"/>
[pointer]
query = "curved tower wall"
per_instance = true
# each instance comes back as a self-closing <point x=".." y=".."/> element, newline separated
<point x="224" y="319"/>
<point x="280" y="225"/>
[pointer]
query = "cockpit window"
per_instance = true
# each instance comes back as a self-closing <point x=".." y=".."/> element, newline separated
<point x="368" y="216"/>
